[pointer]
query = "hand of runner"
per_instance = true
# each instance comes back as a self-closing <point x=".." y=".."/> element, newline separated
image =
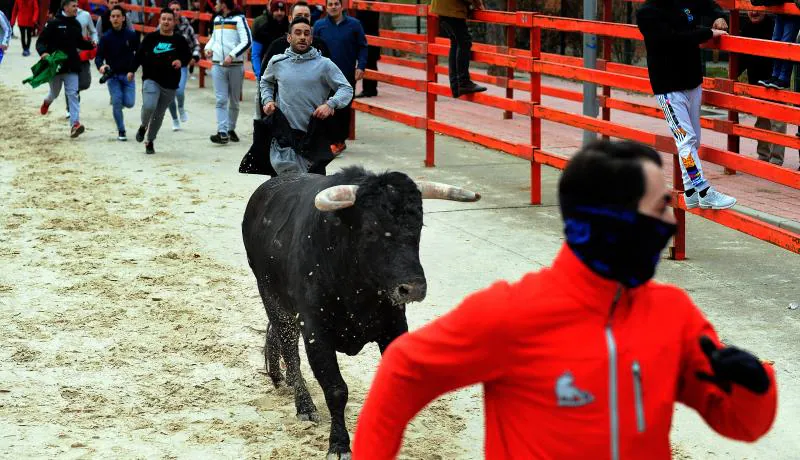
<point x="228" y="60"/>
<point x="269" y="107"/>
<point x="323" y="111"/>
<point x="359" y="74"/>
<point x="176" y="64"/>
<point x="130" y="76"/>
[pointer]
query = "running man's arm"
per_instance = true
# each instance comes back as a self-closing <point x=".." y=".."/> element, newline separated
<point x="5" y="30"/>
<point x="195" y="43"/>
<point x="267" y="83"/>
<point x="740" y="413"/>
<point x="43" y="41"/>
<point x="92" y="30"/>
<point x="100" y="57"/>
<point x="338" y="83"/>
<point x="466" y="346"/>
<point x="184" y="53"/>
<point x="362" y="48"/>
<point x="245" y="37"/>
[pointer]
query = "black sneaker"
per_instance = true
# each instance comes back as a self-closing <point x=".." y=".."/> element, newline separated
<point x="220" y="138"/>
<point x="148" y="148"/>
<point x="232" y="136"/>
<point x="140" y="133"/>
<point x="779" y="84"/>
<point x="766" y="83"/>
<point x="470" y="88"/>
<point x="122" y="136"/>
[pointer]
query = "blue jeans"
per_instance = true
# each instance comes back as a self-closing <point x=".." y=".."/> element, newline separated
<point x="123" y="94"/>
<point x="786" y="28"/>
<point x="179" y="94"/>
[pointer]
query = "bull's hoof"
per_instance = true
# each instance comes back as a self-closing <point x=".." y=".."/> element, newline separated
<point x="278" y="383"/>
<point x="337" y="456"/>
<point x="310" y="417"/>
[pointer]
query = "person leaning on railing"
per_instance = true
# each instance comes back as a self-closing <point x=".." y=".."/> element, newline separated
<point x="756" y="24"/>
<point x="453" y="22"/>
<point x="672" y="37"/>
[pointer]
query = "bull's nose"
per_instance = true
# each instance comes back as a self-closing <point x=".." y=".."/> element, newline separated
<point x="410" y="292"/>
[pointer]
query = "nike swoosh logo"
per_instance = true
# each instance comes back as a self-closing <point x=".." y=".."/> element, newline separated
<point x="163" y="48"/>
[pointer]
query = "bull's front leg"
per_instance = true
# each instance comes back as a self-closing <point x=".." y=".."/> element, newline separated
<point x="323" y="362"/>
<point x="395" y="329"/>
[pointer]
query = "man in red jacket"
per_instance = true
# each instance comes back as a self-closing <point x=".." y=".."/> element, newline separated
<point x="586" y="358"/>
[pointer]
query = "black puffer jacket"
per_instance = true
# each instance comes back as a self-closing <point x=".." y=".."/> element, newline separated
<point x="63" y="33"/>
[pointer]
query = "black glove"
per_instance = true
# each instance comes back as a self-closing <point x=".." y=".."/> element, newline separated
<point x="732" y="365"/>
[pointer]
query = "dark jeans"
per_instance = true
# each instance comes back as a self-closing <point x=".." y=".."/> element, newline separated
<point x="370" y="21"/>
<point x="25" y="35"/>
<point x="785" y="30"/>
<point x="460" y="48"/>
<point x="341" y="117"/>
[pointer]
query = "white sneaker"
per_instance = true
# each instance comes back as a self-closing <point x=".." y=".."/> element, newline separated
<point x="176" y="125"/>
<point x="716" y="200"/>
<point x="66" y="114"/>
<point x="184" y="116"/>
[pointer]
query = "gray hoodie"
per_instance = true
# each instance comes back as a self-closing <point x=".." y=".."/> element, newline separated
<point x="305" y="80"/>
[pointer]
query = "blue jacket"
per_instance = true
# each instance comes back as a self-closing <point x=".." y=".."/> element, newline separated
<point x="118" y="49"/>
<point x="347" y="43"/>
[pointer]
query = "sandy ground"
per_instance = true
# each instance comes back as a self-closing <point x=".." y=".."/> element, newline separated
<point x="131" y="327"/>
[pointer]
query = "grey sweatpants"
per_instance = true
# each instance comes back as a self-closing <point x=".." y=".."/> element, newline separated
<point x="70" y="83"/>
<point x="227" y="88"/>
<point x="682" y="112"/>
<point x="155" y="101"/>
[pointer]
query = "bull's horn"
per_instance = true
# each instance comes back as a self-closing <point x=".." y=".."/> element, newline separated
<point x="440" y="191"/>
<point x="336" y="197"/>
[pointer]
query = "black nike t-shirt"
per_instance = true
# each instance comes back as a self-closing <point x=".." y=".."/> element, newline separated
<point x="156" y="55"/>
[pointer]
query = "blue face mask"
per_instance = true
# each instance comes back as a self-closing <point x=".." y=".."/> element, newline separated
<point x="618" y="244"/>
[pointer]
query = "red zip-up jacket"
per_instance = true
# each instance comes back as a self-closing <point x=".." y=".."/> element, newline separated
<point x="572" y="365"/>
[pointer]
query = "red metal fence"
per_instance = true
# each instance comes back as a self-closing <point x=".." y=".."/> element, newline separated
<point x="724" y="93"/>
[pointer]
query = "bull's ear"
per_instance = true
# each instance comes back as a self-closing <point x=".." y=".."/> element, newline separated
<point x="336" y="197"/>
<point x="436" y="190"/>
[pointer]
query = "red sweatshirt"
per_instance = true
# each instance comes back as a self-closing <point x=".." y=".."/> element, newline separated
<point x="568" y="372"/>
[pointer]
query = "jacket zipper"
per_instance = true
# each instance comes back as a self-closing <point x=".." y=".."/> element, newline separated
<point x="637" y="388"/>
<point x="613" y="403"/>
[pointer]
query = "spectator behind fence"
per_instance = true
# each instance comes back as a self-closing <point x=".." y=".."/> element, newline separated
<point x="268" y="27"/>
<point x="584" y="359"/>
<point x="63" y="33"/>
<point x="371" y="22"/>
<point x="229" y="41"/>
<point x="348" y="45"/>
<point x="672" y="38"/>
<point x="304" y="81"/>
<point x="25" y="15"/>
<point x="183" y="28"/>
<point x="453" y="23"/>
<point x="785" y="30"/>
<point x="756" y="24"/>
<point x="116" y="57"/>
<point x="103" y="23"/>
<point x="161" y="56"/>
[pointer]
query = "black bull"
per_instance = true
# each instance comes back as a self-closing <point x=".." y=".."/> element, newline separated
<point x="336" y="258"/>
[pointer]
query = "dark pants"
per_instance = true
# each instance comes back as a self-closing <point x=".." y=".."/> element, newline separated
<point x="25" y="35"/>
<point x="460" y="48"/>
<point x="785" y="30"/>
<point x="370" y="20"/>
<point x="341" y="117"/>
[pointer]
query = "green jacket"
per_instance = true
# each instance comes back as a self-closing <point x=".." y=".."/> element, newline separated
<point x="451" y="8"/>
<point x="45" y="69"/>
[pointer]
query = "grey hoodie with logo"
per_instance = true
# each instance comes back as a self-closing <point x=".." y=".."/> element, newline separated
<point x="305" y="81"/>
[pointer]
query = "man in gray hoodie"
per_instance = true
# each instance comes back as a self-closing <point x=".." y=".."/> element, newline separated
<point x="298" y="83"/>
